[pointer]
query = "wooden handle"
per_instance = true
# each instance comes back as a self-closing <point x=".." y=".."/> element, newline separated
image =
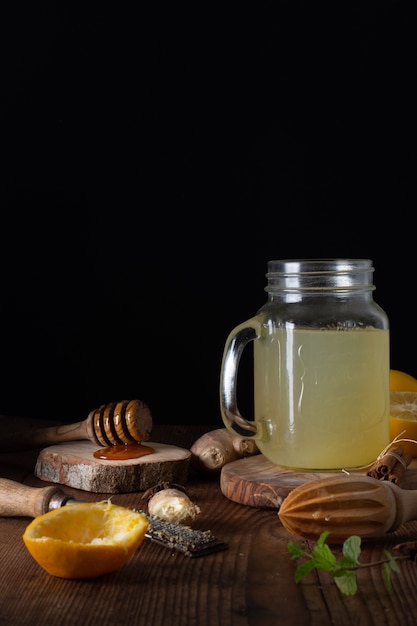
<point x="17" y="500"/>
<point x="31" y="439"/>
<point x="347" y="505"/>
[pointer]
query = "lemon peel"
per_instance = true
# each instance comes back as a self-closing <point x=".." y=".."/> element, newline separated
<point x="85" y="540"/>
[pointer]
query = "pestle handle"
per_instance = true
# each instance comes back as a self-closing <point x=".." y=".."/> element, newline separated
<point x="30" y="439"/>
<point x="347" y="505"/>
<point x="17" y="500"/>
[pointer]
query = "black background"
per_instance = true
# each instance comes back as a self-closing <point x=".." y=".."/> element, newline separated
<point x="155" y="160"/>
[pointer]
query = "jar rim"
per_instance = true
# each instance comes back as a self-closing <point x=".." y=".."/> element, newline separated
<point x="320" y="274"/>
<point x="315" y="265"/>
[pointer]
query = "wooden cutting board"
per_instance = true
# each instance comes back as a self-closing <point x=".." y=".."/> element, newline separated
<point x="255" y="481"/>
<point x="73" y="464"/>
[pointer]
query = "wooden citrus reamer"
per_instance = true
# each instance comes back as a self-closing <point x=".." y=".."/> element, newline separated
<point x="124" y="422"/>
<point x="347" y="505"/>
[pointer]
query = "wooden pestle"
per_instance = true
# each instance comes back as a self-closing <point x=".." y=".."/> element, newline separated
<point x="128" y="421"/>
<point x="17" y="500"/>
<point x="347" y="505"/>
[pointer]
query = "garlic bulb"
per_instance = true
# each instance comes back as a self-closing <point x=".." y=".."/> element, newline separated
<point x="173" y="505"/>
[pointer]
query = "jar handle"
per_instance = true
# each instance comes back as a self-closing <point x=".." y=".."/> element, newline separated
<point x="237" y="340"/>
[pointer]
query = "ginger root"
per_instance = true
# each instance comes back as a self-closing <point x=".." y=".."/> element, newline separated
<point x="214" y="449"/>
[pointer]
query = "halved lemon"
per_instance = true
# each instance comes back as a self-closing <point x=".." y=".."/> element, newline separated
<point x="403" y="418"/>
<point x="85" y="540"/>
<point x="401" y="381"/>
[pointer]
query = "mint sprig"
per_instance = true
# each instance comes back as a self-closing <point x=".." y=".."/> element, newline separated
<point x="345" y="568"/>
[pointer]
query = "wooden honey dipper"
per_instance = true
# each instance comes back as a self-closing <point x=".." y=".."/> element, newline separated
<point x="347" y="505"/>
<point x="128" y="421"/>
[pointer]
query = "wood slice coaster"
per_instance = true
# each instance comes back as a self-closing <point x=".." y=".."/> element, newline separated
<point x="73" y="464"/>
<point x="255" y="481"/>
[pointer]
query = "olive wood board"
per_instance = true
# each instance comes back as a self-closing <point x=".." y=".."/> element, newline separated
<point x="73" y="464"/>
<point x="255" y="481"/>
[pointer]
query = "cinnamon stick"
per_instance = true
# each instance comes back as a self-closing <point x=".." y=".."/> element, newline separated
<point x="374" y="474"/>
<point x="397" y="473"/>
<point x="391" y="466"/>
<point x="389" y="460"/>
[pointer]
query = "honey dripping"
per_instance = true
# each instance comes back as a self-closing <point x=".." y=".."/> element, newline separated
<point x="123" y="452"/>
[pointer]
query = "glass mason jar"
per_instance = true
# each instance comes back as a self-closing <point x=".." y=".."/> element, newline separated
<point x="321" y="367"/>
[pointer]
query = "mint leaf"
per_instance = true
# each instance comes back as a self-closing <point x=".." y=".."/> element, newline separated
<point x="389" y="566"/>
<point x="321" y="540"/>
<point x="295" y="549"/>
<point x="344" y="569"/>
<point x="304" y="569"/>
<point x="346" y="582"/>
<point x="392" y="562"/>
<point x="345" y="562"/>
<point x="324" y="558"/>
<point x="387" y="577"/>
<point x="352" y="548"/>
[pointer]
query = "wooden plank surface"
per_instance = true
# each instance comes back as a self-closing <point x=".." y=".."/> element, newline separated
<point x="249" y="584"/>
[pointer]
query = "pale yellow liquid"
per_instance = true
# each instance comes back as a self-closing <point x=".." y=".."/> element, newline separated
<point x="322" y="397"/>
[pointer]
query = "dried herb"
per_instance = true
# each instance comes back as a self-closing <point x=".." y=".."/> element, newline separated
<point x="343" y="569"/>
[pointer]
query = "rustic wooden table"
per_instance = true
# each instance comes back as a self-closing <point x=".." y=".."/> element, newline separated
<point x="250" y="583"/>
